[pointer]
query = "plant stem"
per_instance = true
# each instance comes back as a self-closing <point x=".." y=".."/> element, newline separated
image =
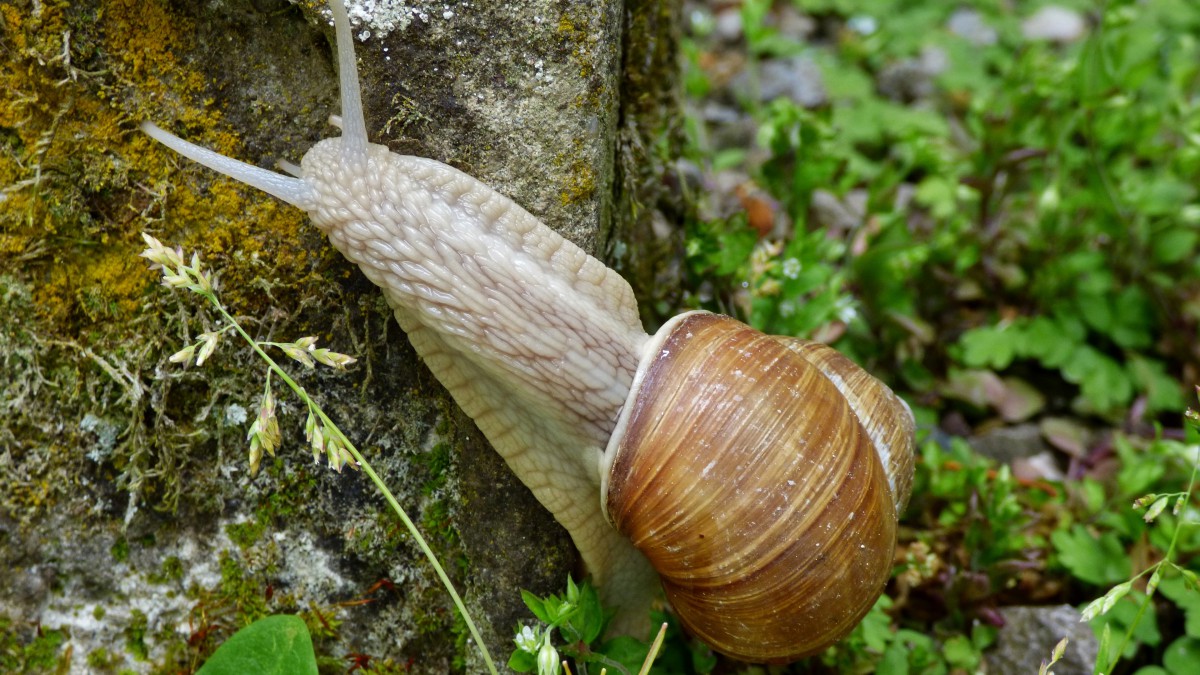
<point x="370" y="472"/>
<point x="1166" y="560"/>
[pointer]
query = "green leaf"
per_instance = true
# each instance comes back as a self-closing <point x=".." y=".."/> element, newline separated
<point x="1047" y="341"/>
<point x="1096" y="311"/>
<point x="1097" y="560"/>
<point x="522" y="661"/>
<point x="536" y="605"/>
<point x="1132" y="319"/>
<point x="960" y="653"/>
<point x="1102" y="381"/>
<point x="1139" y="470"/>
<point x="274" y="644"/>
<point x="1182" y="655"/>
<point x="1174" y="245"/>
<point x="589" y="620"/>
<point x="876" y="625"/>
<point x="894" y="661"/>
<point x="626" y="650"/>
<point x="1150" y="376"/>
<point x="939" y="194"/>
<point x="989" y="347"/>
<point x="1188" y="600"/>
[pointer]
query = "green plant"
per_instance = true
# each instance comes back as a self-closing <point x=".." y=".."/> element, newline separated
<point x="1096" y="554"/>
<point x="1037" y="203"/>
<point x="277" y="644"/>
<point x="580" y="622"/>
<point x="324" y="436"/>
<point x="22" y="652"/>
<point x="1055" y="657"/>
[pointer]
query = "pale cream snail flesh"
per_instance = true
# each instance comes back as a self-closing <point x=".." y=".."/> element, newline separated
<point x="761" y="475"/>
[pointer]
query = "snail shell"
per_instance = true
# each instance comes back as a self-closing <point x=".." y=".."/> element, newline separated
<point x="762" y="477"/>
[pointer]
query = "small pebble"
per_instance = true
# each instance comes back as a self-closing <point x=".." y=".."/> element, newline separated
<point x="1053" y="23"/>
<point x="969" y="25"/>
<point x="797" y="78"/>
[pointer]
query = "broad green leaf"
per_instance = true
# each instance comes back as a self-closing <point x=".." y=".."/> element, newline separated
<point x="277" y="644"/>
<point x="1174" y="245"/>
<point x="1101" y="561"/>
<point x="960" y="653"/>
<point x="1182" y="655"/>
<point x="1101" y="380"/>
<point x="1132" y="319"/>
<point x="894" y="661"/>
<point x="988" y="347"/>
<point x="1188" y="600"/>
<point x="1096" y="310"/>
<point x="1046" y="340"/>
<point x="522" y="661"/>
<point x="1150" y="376"/>
<point x="589" y="620"/>
<point x="627" y="651"/>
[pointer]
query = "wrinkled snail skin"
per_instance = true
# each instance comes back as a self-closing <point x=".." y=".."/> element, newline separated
<point x="794" y="508"/>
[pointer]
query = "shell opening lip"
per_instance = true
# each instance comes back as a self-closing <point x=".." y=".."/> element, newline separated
<point x="649" y="353"/>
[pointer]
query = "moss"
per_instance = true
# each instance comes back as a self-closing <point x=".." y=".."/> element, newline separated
<point x="32" y="650"/>
<point x="171" y="570"/>
<point x="135" y="635"/>
<point x="246" y="534"/>
<point x="245" y="594"/>
<point x="102" y="660"/>
<point x="69" y="238"/>
<point x="120" y="550"/>
<point x="650" y="139"/>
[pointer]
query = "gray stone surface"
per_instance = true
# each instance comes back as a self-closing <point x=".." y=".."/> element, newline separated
<point x="128" y="518"/>
<point x="1007" y="444"/>
<point x="1030" y="634"/>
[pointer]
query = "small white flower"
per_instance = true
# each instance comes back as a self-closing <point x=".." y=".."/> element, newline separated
<point x="526" y="640"/>
<point x="846" y="312"/>
<point x="791" y="268"/>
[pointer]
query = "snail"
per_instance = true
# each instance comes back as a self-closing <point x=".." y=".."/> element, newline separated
<point x="756" y="479"/>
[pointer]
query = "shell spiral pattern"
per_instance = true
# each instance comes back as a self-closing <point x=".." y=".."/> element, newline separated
<point x="768" y="549"/>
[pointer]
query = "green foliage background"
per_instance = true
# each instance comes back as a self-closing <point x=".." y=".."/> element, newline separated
<point x="1020" y="250"/>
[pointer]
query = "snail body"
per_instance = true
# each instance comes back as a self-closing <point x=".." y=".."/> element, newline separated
<point x="541" y="345"/>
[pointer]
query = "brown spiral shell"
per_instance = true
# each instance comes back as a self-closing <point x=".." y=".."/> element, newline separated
<point x="741" y="469"/>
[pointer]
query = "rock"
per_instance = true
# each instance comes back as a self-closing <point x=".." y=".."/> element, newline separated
<point x="127" y="515"/>
<point x="912" y="79"/>
<point x="834" y="215"/>
<point x="1007" y="444"/>
<point x="797" y="78"/>
<point x="1030" y="634"/>
<point x="1053" y="23"/>
<point x="970" y="25"/>
<point x="727" y="24"/>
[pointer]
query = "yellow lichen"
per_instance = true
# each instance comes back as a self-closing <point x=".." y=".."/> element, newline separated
<point x="78" y="181"/>
<point x="581" y="176"/>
